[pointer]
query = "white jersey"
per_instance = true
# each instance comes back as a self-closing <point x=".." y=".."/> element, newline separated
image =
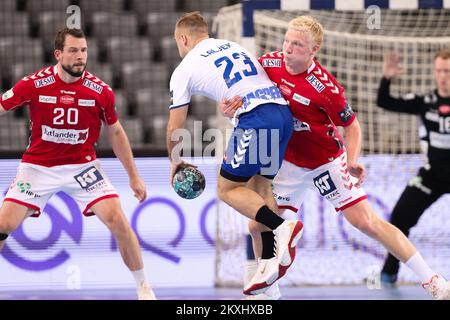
<point x="221" y="69"/>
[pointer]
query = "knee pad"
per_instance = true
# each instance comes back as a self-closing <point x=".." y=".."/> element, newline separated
<point x="3" y="236"/>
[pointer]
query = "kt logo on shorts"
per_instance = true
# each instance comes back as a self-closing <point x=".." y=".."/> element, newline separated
<point x="324" y="183"/>
<point x="90" y="179"/>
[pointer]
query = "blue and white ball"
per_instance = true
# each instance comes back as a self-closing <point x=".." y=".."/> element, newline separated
<point x="189" y="182"/>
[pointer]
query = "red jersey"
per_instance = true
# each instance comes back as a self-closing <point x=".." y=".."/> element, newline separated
<point x="65" y="118"/>
<point x="318" y="105"/>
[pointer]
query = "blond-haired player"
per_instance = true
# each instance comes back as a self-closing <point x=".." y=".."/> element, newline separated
<point x="317" y="158"/>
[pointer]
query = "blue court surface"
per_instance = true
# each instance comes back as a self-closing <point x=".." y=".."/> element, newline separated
<point x="406" y="292"/>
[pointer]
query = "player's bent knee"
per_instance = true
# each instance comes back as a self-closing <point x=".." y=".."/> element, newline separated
<point x="3" y="236"/>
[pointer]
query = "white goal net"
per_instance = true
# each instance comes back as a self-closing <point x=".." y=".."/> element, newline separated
<point x="332" y="252"/>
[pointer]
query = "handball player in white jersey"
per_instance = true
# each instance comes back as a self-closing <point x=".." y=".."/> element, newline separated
<point x="67" y="107"/>
<point x="221" y="69"/>
<point x="317" y="158"/>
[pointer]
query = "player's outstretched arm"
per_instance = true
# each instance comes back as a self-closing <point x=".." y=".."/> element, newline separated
<point x="122" y="149"/>
<point x="408" y="104"/>
<point x="2" y="110"/>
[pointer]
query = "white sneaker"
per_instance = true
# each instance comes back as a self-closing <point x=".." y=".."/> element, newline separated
<point x="438" y="288"/>
<point x="286" y="238"/>
<point x="266" y="274"/>
<point x="145" y="292"/>
<point x="272" y="293"/>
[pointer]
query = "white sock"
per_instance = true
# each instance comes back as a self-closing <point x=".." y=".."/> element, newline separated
<point x="420" y="267"/>
<point x="139" y="276"/>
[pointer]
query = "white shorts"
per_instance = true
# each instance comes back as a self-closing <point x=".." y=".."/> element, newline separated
<point x="331" y="180"/>
<point x="86" y="183"/>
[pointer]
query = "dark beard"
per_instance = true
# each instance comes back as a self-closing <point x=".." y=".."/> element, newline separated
<point x="73" y="73"/>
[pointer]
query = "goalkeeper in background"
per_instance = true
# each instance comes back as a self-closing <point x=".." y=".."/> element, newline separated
<point x="433" y="179"/>
<point x="317" y="158"/>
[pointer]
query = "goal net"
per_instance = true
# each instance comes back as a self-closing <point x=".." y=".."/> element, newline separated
<point x="331" y="251"/>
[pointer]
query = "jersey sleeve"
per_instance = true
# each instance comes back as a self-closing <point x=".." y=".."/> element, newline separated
<point x="109" y="107"/>
<point x="409" y="103"/>
<point x="180" y="91"/>
<point x="336" y="105"/>
<point x="17" y="96"/>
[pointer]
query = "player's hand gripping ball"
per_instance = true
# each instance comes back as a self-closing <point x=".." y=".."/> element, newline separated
<point x="188" y="182"/>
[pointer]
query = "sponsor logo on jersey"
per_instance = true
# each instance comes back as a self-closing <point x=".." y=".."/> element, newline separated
<point x="65" y="136"/>
<point x="285" y="90"/>
<point x="270" y="93"/>
<point x="319" y="86"/>
<point x="288" y="83"/>
<point x="301" y="99"/>
<point x="271" y="63"/>
<point x="47" y="99"/>
<point x="86" y="103"/>
<point x="44" y="82"/>
<point x="8" y="94"/>
<point x="346" y="113"/>
<point x="93" y="86"/>
<point x="300" y="126"/>
<point x="324" y="183"/>
<point x="67" y="92"/>
<point x="67" y="99"/>
<point x="444" y="109"/>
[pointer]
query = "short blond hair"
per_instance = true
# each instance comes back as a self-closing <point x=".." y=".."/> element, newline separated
<point x="193" y="23"/>
<point x="443" y="53"/>
<point x="308" y="24"/>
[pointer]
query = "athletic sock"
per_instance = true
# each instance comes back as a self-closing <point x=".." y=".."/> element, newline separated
<point x="420" y="267"/>
<point x="139" y="276"/>
<point x="268" y="245"/>
<point x="268" y="218"/>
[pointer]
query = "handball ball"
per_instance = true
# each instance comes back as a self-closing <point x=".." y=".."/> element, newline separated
<point x="188" y="182"/>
